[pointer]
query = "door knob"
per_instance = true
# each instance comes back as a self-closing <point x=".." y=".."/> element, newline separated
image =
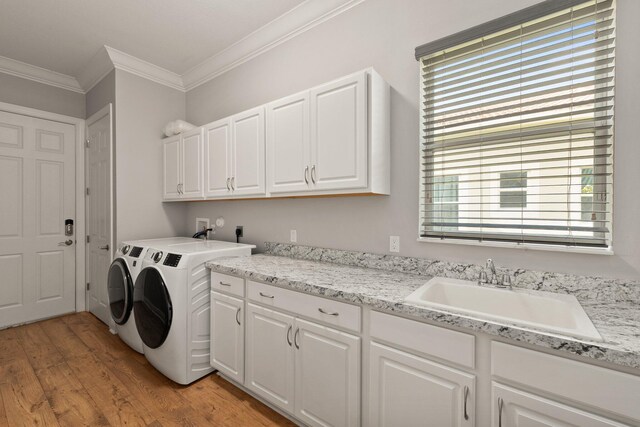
<point x="66" y="243"/>
<point x="105" y="247"/>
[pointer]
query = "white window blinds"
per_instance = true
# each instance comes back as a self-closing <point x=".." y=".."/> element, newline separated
<point x="517" y="129"/>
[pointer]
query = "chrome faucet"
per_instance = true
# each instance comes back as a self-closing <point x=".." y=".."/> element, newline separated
<point x="503" y="282"/>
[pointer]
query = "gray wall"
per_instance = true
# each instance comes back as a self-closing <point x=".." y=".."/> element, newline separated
<point x="143" y="109"/>
<point x="27" y="93"/>
<point x="383" y="34"/>
<point x="103" y="93"/>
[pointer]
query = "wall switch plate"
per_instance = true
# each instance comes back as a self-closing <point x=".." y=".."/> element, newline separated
<point x="202" y="224"/>
<point x="293" y="236"/>
<point x="394" y="243"/>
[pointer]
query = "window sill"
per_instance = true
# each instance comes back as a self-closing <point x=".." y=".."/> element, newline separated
<point x="523" y="246"/>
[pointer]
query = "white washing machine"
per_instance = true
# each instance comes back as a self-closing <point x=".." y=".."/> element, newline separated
<point x="171" y="301"/>
<point x="123" y="273"/>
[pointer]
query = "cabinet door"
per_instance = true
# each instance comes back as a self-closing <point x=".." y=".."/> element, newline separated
<point x="171" y="167"/>
<point x="327" y="376"/>
<point x="521" y="409"/>
<point x="227" y="336"/>
<point x="217" y="154"/>
<point x="288" y="151"/>
<point x="269" y="356"/>
<point x="406" y="390"/>
<point x="191" y="164"/>
<point x="248" y="177"/>
<point x="339" y="134"/>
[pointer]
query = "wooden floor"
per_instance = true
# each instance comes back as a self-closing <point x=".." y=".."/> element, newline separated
<point x="71" y="371"/>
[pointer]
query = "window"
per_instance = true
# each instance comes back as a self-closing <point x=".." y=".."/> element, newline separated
<point x="517" y="127"/>
<point x="513" y="190"/>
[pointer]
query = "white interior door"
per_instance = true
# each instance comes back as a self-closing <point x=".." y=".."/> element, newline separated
<point x="99" y="212"/>
<point x="37" y="195"/>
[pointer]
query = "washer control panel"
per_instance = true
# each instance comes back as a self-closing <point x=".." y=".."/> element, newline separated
<point x="172" y="260"/>
<point x="136" y="251"/>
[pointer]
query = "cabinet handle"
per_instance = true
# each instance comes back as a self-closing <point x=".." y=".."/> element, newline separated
<point x="500" y="405"/>
<point x="266" y="296"/>
<point x="330" y="313"/>
<point x="181" y="190"/>
<point x="233" y="183"/>
<point x="306" y="175"/>
<point x="466" y="397"/>
<point x="178" y="188"/>
<point x="238" y="314"/>
<point x="225" y="284"/>
<point x="313" y="174"/>
<point x="228" y="189"/>
<point x="289" y="335"/>
<point x="295" y="338"/>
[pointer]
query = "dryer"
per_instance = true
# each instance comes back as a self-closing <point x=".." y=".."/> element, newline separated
<point x="120" y="282"/>
<point x="172" y="305"/>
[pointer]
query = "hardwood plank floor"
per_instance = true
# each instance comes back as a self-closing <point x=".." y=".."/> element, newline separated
<point x="71" y="371"/>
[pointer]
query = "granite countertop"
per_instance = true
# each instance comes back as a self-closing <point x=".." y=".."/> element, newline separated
<point x="618" y="323"/>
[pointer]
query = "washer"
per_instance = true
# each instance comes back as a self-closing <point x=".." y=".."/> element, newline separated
<point x="171" y="301"/>
<point x="120" y="283"/>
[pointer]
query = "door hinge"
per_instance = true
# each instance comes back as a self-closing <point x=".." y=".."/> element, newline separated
<point x="88" y="286"/>
<point x="86" y="142"/>
<point x="88" y="238"/>
<point x="87" y="191"/>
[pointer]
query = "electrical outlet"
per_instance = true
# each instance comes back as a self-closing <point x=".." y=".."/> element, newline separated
<point x="239" y="231"/>
<point x="394" y="243"/>
<point x="293" y="236"/>
<point x="202" y="224"/>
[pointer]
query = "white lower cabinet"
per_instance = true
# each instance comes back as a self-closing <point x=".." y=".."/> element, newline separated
<point x="516" y="408"/>
<point x="309" y="370"/>
<point x="327" y="373"/>
<point x="407" y="390"/>
<point x="270" y="355"/>
<point x="227" y="335"/>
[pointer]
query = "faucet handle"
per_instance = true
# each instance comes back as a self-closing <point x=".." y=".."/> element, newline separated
<point x="506" y="280"/>
<point x="482" y="277"/>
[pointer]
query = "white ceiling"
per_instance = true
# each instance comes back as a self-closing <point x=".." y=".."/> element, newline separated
<point x="64" y="35"/>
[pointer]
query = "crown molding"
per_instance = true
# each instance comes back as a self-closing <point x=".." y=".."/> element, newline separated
<point x="298" y="20"/>
<point x="97" y="69"/>
<point x="293" y="23"/>
<point x="131" y="64"/>
<point x="38" y="74"/>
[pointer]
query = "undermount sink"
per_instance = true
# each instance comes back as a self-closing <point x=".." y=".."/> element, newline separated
<point x="556" y="313"/>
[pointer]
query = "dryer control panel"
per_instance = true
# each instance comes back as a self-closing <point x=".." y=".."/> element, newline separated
<point x="172" y="260"/>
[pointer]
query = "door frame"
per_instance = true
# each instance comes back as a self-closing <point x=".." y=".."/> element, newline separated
<point x="106" y="110"/>
<point x="79" y="125"/>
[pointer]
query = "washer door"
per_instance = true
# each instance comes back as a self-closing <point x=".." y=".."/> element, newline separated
<point x="152" y="304"/>
<point x="120" y="290"/>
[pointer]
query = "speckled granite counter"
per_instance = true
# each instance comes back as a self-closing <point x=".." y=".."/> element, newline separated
<point x="617" y="322"/>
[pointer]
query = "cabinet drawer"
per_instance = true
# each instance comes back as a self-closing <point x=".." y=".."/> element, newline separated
<point x="590" y="385"/>
<point x="229" y="284"/>
<point x="335" y="313"/>
<point x="452" y="346"/>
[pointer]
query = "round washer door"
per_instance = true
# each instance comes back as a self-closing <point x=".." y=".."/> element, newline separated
<point x="120" y="290"/>
<point x="152" y="305"/>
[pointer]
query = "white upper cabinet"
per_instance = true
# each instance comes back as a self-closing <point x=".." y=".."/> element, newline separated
<point x="171" y="164"/>
<point x="329" y="140"/>
<point x="288" y="147"/>
<point x="248" y="159"/>
<point x="332" y="139"/>
<point x="217" y="150"/>
<point x="339" y="134"/>
<point x="191" y="164"/>
<point x="183" y="167"/>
